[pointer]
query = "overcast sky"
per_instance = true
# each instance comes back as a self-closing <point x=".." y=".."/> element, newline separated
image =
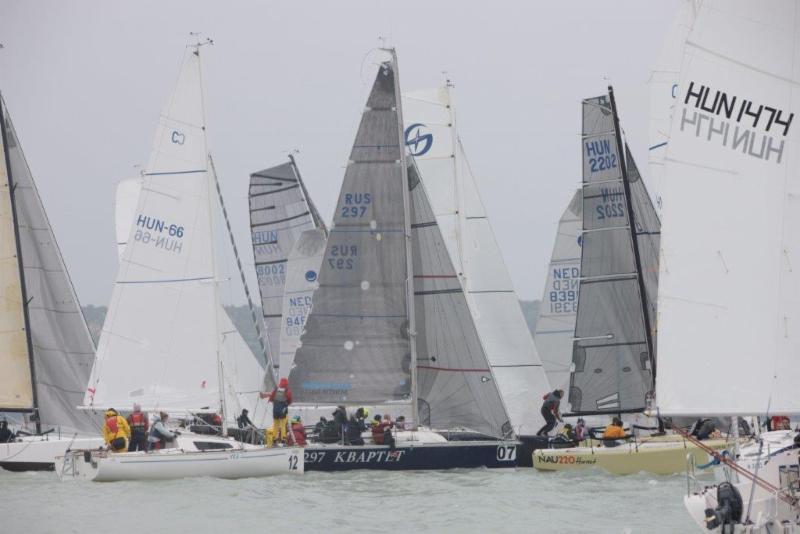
<point x="85" y="82"/>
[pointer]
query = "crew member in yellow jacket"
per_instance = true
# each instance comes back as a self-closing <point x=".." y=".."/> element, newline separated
<point x="116" y="431"/>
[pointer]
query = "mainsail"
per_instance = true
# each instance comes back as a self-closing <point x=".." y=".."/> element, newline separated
<point x="728" y="292"/>
<point x="163" y="344"/>
<point x="431" y="137"/>
<point x="559" y="305"/>
<point x="613" y="353"/>
<point x="357" y="345"/>
<point x="280" y="211"/>
<point x="127" y="199"/>
<point x="59" y="340"/>
<point x="456" y="387"/>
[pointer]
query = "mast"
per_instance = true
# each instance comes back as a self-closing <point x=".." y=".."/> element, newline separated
<point x="632" y="226"/>
<point x="407" y="225"/>
<point x="214" y="273"/>
<point x="23" y="287"/>
<point x="318" y="222"/>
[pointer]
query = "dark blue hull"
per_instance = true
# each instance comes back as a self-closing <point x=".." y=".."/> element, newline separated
<point x="433" y="456"/>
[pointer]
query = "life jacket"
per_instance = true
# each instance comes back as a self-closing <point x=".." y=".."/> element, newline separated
<point x="138" y="422"/>
<point x="280" y="404"/>
<point x="112" y="424"/>
<point x="299" y="433"/>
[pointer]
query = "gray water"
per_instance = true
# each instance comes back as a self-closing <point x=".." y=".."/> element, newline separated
<point x="500" y="500"/>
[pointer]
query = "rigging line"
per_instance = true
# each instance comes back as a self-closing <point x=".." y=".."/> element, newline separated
<point x="267" y="356"/>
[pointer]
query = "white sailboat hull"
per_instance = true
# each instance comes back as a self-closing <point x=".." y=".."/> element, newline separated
<point x="38" y="453"/>
<point x="235" y="460"/>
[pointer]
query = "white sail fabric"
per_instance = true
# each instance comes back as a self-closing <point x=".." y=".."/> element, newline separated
<point x="159" y="342"/>
<point x="431" y="137"/>
<point x="663" y="88"/>
<point x="356" y="346"/>
<point x="63" y="350"/>
<point x="302" y="272"/>
<point x="456" y="387"/>
<point x="729" y="312"/>
<point x="16" y="383"/>
<point x="279" y="212"/>
<point x="555" y="327"/>
<point x="125" y="208"/>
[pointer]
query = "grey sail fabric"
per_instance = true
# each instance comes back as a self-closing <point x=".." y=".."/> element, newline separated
<point x="279" y="212"/>
<point x="63" y="350"/>
<point x="611" y="363"/>
<point x="647" y="228"/>
<point x="455" y="383"/>
<point x="356" y="346"/>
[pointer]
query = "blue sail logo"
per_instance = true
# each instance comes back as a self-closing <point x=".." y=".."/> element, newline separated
<point x="418" y="143"/>
<point x="311" y="276"/>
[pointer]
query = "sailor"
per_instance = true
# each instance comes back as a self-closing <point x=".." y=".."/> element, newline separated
<point x="382" y="431"/>
<point x="140" y="426"/>
<point x="116" y="431"/>
<point x="298" y="431"/>
<point x="355" y="426"/>
<point x="550" y="411"/>
<point x="340" y="422"/>
<point x="159" y="435"/>
<point x="243" y="421"/>
<point x="6" y="435"/>
<point x="614" y="430"/>
<point x="281" y="398"/>
<point x="580" y="430"/>
<point x="400" y="423"/>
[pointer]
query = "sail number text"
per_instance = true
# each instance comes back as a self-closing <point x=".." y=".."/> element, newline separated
<point x="159" y="233"/>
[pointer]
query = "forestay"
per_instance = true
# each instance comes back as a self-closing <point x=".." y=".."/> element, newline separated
<point x="559" y="305"/>
<point x="279" y="212"/>
<point x="356" y="346"/>
<point x="302" y="273"/>
<point x="612" y="364"/>
<point x="127" y="199"/>
<point x="456" y="387"/>
<point x="159" y="342"/>
<point x="63" y="350"/>
<point x="431" y="137"/>
<point x="729" y="311"/>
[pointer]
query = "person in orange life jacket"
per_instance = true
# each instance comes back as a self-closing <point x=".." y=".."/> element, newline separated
<point x="140" y="426"/>
<point x="614" y="430"/>
<point x="159" y="435"/>
<point x="116" y="431"/>
<point x="550" y="411"/>
<point x="298" y="431"/>
<point x="281" y="399"/>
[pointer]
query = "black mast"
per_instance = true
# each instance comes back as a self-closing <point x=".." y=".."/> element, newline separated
<point x="632" y="223"/>
<point x="23" y="287"/>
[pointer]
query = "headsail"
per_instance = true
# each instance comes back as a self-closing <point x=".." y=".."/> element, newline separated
<point x="356" y="347"/>
<point x="559" y="305"/>
<point x="729" y="283"/>
<point x="456" y="386"/>
<point x="280" y="211"/>
<point x="127" y="199"/>
<point x="612" y="353"/>
<point x="63" y="350"/>
<point x="432" y="138"/>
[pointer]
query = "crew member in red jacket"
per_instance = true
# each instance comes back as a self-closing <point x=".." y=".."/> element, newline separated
<point x="140" y="426"/>
<point x="298" y="431"/>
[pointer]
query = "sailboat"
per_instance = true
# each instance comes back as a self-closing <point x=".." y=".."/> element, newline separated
<point x="164" y="343"/>
<point x="390" y="327"/>
<point x="280" y="211"/>
<point x="728" y="295"/>
<point x="555" y="327"/>
<point x="614" y="351"/>
<point x="431" y="136"/>
<point x="47" y="348"/>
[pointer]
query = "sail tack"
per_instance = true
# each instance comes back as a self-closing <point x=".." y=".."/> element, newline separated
<point x="356" y="347"/>
<point x="728" y="292"/>
<point x="559" y="305"/>
<point x="280" y="212"/>
<point x="612" y="364"/>
<point x="63" y="350"/>
<point x="431" y="137"/>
